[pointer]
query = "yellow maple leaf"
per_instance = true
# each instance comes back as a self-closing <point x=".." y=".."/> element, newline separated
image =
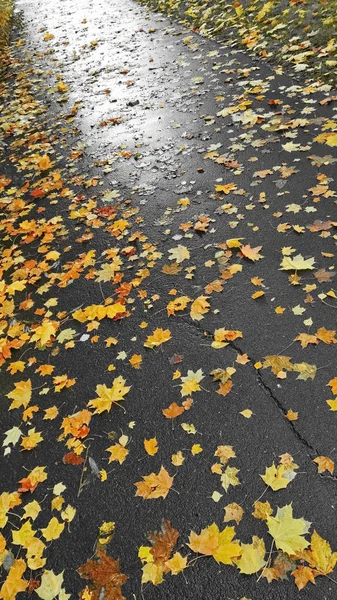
<point x="152" y="572"/>
<point x="177" y="459"/>
<point x="218" y="544"/>
<point x="51" y="585"/>
<point x="298" y="263"/>
<point x="24" y="535"/>
<point x="190" y="383"/>
<point x="109" y="396"/>
<point x="151" y="446"/>
<point x="50" y="413"/>
<point x="35" y="560"/>
<point x="21" y="395"/>
<point x="31" y="440"/>
<point x="199" y="307"/>
<point x="177" y="304"/>
<point x="224" y="453"/>
<point x="262" y="510"/>
<point x="229" y="477"/>
<point x="158" y="337"/>
<point x="53" y="530"/>
<point x="43" y="162"/>
<point x="279" y="477"/>
<point x="14" y="367"/>
<point x="44" y="332"/>
<point x="118" y="453"/>
<point x="252" y="557"/>
<point x="179" y="254"/>
<point x="31" y="510"/>
<point x="288" y="532"/>
<point x="320" y="556"/>
<point x="14" y="583"/>
<point x="154" y="485"/>
<point x="196" y="449"/>
<point x="177" y="563"/>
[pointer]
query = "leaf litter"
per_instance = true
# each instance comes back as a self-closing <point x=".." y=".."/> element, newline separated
<point x="78" y="264"/>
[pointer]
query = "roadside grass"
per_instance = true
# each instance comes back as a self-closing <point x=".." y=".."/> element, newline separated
<point x="6" y="12"/>
<point x="300" y="34"/>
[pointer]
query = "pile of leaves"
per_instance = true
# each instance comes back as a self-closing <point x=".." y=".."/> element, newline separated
<point x="300" y="35"/>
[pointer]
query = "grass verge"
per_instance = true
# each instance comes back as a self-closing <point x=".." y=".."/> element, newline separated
<point x="300" y="34"/>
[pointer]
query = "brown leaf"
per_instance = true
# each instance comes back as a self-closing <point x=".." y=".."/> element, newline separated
<point x="72" y="459"/>
<point x="105" y="576"/>
<point x="324" y="276"/>
<point x="163" y="542"/>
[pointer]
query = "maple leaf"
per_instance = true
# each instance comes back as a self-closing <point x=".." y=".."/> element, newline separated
<point x="179" y="254"/>
<point x="177" y="563"/>
<point x="252" y="556"/>
<point x="191" y="382"/>
<point x="278" y="363"/>
<point x="298" y="263"/>
<point x="118" y="453"/>
<point x="326" y="336"/>
<point x="251" y="253"/>
<point x="24" y="535"/>
<point x="151" y="446"/>
<point x="233" y="512"/>
<point x="199" y="307"/>
<point x="44" y="332"/>
<point x="288" y="532"/>
<point x="174" y="410"/>
<point x="218" y="544"/>
<point x="320" y="556"/>
<point x="262" y="510"/>
<point x="279" y="477"/>
<point x="109" y="396"/>
<point x="53" y="530"/>
<point x="14" y="583"/>
<point x="333" y="384"/>
<point x="29" y="483"/>
<point x="177" y="304"/>
<point x="159" y="336"/>
<point x="324" y="463"/>
<point x="163" y="541"/>
<point x="157" y="558"/>
<point x="51" y="585"/>
<point x="302" y="576"/>
<point x="105" y="576"/>
<point x="229" y="477"/>
<point x="224" y="453"/>
<point x="31" y="440"/>
<point x="154" y="485"/>
<point x="21" y="395"/>
<point x="306" y="339"/>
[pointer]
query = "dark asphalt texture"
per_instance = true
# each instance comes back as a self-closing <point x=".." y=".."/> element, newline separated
<point x="171" y="128"/>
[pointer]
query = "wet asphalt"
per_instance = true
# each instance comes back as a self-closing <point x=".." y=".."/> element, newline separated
<point x="167" y="84"/>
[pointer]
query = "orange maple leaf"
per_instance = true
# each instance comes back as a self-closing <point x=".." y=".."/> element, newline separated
<point x="251" y="253"/>
<point x="154" y="485"/>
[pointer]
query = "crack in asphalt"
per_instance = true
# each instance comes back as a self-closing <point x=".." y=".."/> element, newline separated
<point x="310" y="450"/>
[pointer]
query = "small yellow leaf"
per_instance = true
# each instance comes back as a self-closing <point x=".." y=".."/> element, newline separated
<point x="151" y="446"/>
<point x="53" y="530"/>
<point x="196" y="449"/>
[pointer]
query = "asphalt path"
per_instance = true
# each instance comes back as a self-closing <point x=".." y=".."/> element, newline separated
<point x="166" y="86"/>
